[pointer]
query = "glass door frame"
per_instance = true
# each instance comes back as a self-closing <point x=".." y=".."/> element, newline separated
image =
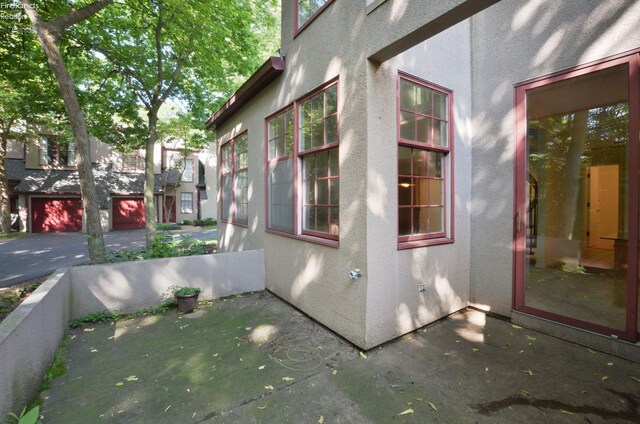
<point x="521" y="193"/>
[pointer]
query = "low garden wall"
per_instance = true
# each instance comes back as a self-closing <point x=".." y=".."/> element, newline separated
<point x="31" y="334"/>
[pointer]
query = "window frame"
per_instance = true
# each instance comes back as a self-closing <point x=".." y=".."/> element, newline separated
<point x="184" y="169"/>
<point x="182" y="210"/>
<point x="139" y="166"/>
<point x="53" y="144"/>
<point x="447" y="235"/>
<point x="233" y="219"/>
<point x="327" y="239"/>
<point x="297" y="27"/>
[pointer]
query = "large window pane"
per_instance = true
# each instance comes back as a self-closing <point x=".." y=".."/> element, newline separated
<point x="577" y="213"/>
<point x="307" y="8"/>
<point x="281" y="195"/>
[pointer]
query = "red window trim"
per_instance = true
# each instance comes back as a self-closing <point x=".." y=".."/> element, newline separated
<point x="55" y="162"/>
<point x="433" y="239"/>
<point x="139" y="163"/>
<point x="632" y="58"/>
<point x="297" y="29"/>
<point x="232" y="219"/>
<point x="325" y="239"/>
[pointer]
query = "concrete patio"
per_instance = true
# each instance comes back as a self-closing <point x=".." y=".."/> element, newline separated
<point x="255" y="359"/>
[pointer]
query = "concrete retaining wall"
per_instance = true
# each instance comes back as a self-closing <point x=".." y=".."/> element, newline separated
<point x="29" y="339"/>
<point x="31" y="334"/>
<point x="129" y="286"/>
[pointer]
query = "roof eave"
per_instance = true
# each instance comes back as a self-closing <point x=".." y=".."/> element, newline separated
<point x="271" y="69"/>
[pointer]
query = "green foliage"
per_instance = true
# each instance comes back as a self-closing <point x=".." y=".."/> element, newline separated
<point x="30" y="417"/>
<point x="206" y="222"/>
<point x="187" y="222"/>
<point x="94" y="318"/>
<point x="185" y="291"/>
<point x="57" y="367"/>
<point x="167" y="226"/>
<point x="161" y="248"/>
<point x="107" y="316"/>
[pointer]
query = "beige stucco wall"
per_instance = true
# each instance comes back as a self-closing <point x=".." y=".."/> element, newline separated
<point x="394" y="304"/>
<point x="512" y="42"/>
<point x="384" y="302"/>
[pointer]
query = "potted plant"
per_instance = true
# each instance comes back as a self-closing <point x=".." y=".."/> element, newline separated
<point x="186" y="297"/>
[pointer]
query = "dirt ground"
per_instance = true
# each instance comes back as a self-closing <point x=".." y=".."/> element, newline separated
<point x="11" y="297"/>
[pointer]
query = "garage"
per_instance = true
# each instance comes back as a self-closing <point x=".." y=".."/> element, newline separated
<point x="128" y="213"/>
<point x="53" y="215"/>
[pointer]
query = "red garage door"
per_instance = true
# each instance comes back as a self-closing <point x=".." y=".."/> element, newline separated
<point x="128" y="214"/>
<point x="50" y="215"/>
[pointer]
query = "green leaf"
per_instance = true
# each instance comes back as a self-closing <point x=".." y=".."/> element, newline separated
<point x="30" y="417"/>
<point x="131" y="378"/>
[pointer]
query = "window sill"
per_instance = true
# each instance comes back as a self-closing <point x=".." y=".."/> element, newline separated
<point x="423" y="243"/>
<point x="238" y="224"/>
<point x="304" y="237"/>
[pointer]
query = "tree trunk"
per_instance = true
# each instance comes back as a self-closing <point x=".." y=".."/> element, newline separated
<point x="47" y="37"/>
<point x="149" y="178"/>
<point x="5" y="207"/>
<point x="573" y="172"/>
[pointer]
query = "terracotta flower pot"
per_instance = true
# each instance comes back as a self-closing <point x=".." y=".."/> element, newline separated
<point x="186" y="303"/>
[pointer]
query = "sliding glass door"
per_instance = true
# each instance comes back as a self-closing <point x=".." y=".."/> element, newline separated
<point x="576" y="218"/>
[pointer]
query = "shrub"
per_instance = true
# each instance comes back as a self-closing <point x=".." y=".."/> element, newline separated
<point x="206" y="222"/>
<point x="164" y="226"/>
<point x="186" y="222"/>
<point x="185" y="291"/>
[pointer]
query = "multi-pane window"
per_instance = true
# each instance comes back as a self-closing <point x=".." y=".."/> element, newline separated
<point x="226" y="171"/>
<point x="133" y="161"/>
<point x="187" y="171"/>
<point x="55" y="153"/>
<point x="241" y="180"/>
<point x="280" y="172"/>
<point x="318" y="151"/>
<point x="424" y="161"/>
<point x="234" y="180"/>
<point x="186" y="202"/>
<point x="303" y="164"/>
<point x="307" y="9"/>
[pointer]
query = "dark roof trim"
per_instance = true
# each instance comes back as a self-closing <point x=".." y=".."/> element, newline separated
<point x="272" y="68"/>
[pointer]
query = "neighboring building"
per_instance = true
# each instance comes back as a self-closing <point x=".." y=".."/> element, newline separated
<point x="387" y="139"/>
<point x="45" y="188"/>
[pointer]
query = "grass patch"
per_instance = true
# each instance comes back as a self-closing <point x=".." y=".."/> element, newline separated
<point x="108" y="316"/>
<point x="57" y="367"/>
<point x="12" y="236"/>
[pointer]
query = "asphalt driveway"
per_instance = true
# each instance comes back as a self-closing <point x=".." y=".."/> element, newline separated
<point x="38" y="255"/>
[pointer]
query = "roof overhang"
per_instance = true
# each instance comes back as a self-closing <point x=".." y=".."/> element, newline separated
<point x="271" y="69"/>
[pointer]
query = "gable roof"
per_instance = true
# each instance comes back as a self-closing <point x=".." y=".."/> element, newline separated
<point x="15" y="169"/>
<point x="61" y="181"/>
<point x="271" y="69"/>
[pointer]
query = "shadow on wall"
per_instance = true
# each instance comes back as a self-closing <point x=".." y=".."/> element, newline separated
<point x="516" y="41"/>
<point x="127" y="287"/>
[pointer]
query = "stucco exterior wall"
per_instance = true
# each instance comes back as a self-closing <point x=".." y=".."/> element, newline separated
<point x="29" y="339"/>
<point x="513" y="42"/>
<point x="394" y="304"/>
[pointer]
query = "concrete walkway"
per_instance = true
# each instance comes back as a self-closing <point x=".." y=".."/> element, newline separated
<point x="254" y="359"/>
<point x="38" y="255"/>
